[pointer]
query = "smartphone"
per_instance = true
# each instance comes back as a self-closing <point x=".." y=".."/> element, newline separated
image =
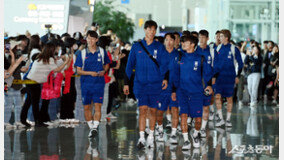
<point x="7" y="46"/>
<point x="59" y="52"/>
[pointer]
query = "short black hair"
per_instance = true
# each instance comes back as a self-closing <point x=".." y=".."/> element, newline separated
<point x="204" y="32"/>
<point x="150" y="23"/>
<point x="190" y="38"/>
<point x="217" y="32"/>
<point x="186" y="33"/>
<point x="65" y="35"/>
<point x="159" y="38"/>
<point x="69" y="42"/>
<point x="95" y="24"/>
<point x="104" y="41"/>
<point x="109" y="29"/>
<point x="271" y="42"/>
<point x="265" y="41"/>
<point x="194" y="32"/>
<point x="93" y="34"/>
<point x="22" y="38"/>
<point x="176" y="33"/>
<point x="252" y="41"/>
<point x="171" y="35"/>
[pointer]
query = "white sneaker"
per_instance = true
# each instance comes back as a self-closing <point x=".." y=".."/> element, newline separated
<point x="219" y="121"/>
<point x="74" y="121"/>
<point x="156" y="130"/>
<point x="141" y="143"/>
<point x="111" y="116"/>
<point x="229" y="123"/>
<point x="147" y="130"/>
<point x="173" y="139"/>
<point x="202" y="133"/>
<point x="211" y="116"/>
<point x="186" y="145"/>
<point x="19" y="125"/>
<point x="56" y="122"/>
<point x="32" y="123"/>
<point x="8" y="126"/>
<point x="150" y="142"/>
<point x="240" y="105"/>
<point x="63" y="121"/>
<point x="274" y="102"/>
<point x="49" y="123"/>
<point x="160" y="137"/>
<point x="195" y="141"/>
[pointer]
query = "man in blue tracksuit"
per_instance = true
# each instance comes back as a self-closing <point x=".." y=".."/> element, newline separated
<point x="92" y="63"/>
<point x="226" y="76"/>
<point x="209" y="54"/>
<point x="150" y="78"/>
<point x="213" y="46"/>
<point x="189" y="94"/>
<point x="165" y="97"/>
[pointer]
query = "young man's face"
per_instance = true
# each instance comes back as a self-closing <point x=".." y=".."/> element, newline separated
<point x="187" y="45"/>
<point x="169" y="42"/>
<point x="150" y="32"/>
<point x="223" y="39"/>
<point x="91" y="41"/>
<point x="217" y="38"/>
<point x="203" y="40"/>
<point x="270" y="46"/>
<point x="177" y="40"/>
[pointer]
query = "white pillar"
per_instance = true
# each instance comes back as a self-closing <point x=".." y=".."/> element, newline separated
<point x="184" y="15"/>
<point x="170" y="12"/>
<point x="273" y="24"/>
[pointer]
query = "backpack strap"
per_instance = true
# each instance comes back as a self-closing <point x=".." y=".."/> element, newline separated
<point x="233" y="50"/>
<point x="150" y="56"/>
<point x="219" y="47"/>
<point x="202" y="59"/>
<point x="83" y="54"/>
<point x="102" y="53"/>
<point x="179" y="55"/>
<point x="211" y="46"/>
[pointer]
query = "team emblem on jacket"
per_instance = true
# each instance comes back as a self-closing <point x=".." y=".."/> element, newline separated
<point x="195" y="65"/>
<point x="155" y="54"/>
<point x="230" y="55"/>
<point x="209" y="60"/>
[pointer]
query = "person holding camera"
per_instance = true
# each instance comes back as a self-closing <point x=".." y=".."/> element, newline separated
<point x="253" y="63"/>
<point x="193" y="68"/>
<point x="17" y="47"/>
<point x="69" y="93"/>
<point x="42" y="66"/>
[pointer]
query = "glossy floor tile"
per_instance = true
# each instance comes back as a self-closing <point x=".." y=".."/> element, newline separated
<point x="254" y="136"/>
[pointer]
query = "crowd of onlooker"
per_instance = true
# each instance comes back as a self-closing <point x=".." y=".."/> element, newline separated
<point x="42" y="61"/>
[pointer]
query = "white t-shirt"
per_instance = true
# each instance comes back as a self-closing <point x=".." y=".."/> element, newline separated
<point x="39" y="71"/>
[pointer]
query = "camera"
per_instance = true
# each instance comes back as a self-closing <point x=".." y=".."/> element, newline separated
<point x="48" y="26"/>
<point x="206" y="93"/>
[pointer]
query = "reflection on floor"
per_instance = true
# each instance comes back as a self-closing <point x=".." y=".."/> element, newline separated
<point x="254" y="135"/>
